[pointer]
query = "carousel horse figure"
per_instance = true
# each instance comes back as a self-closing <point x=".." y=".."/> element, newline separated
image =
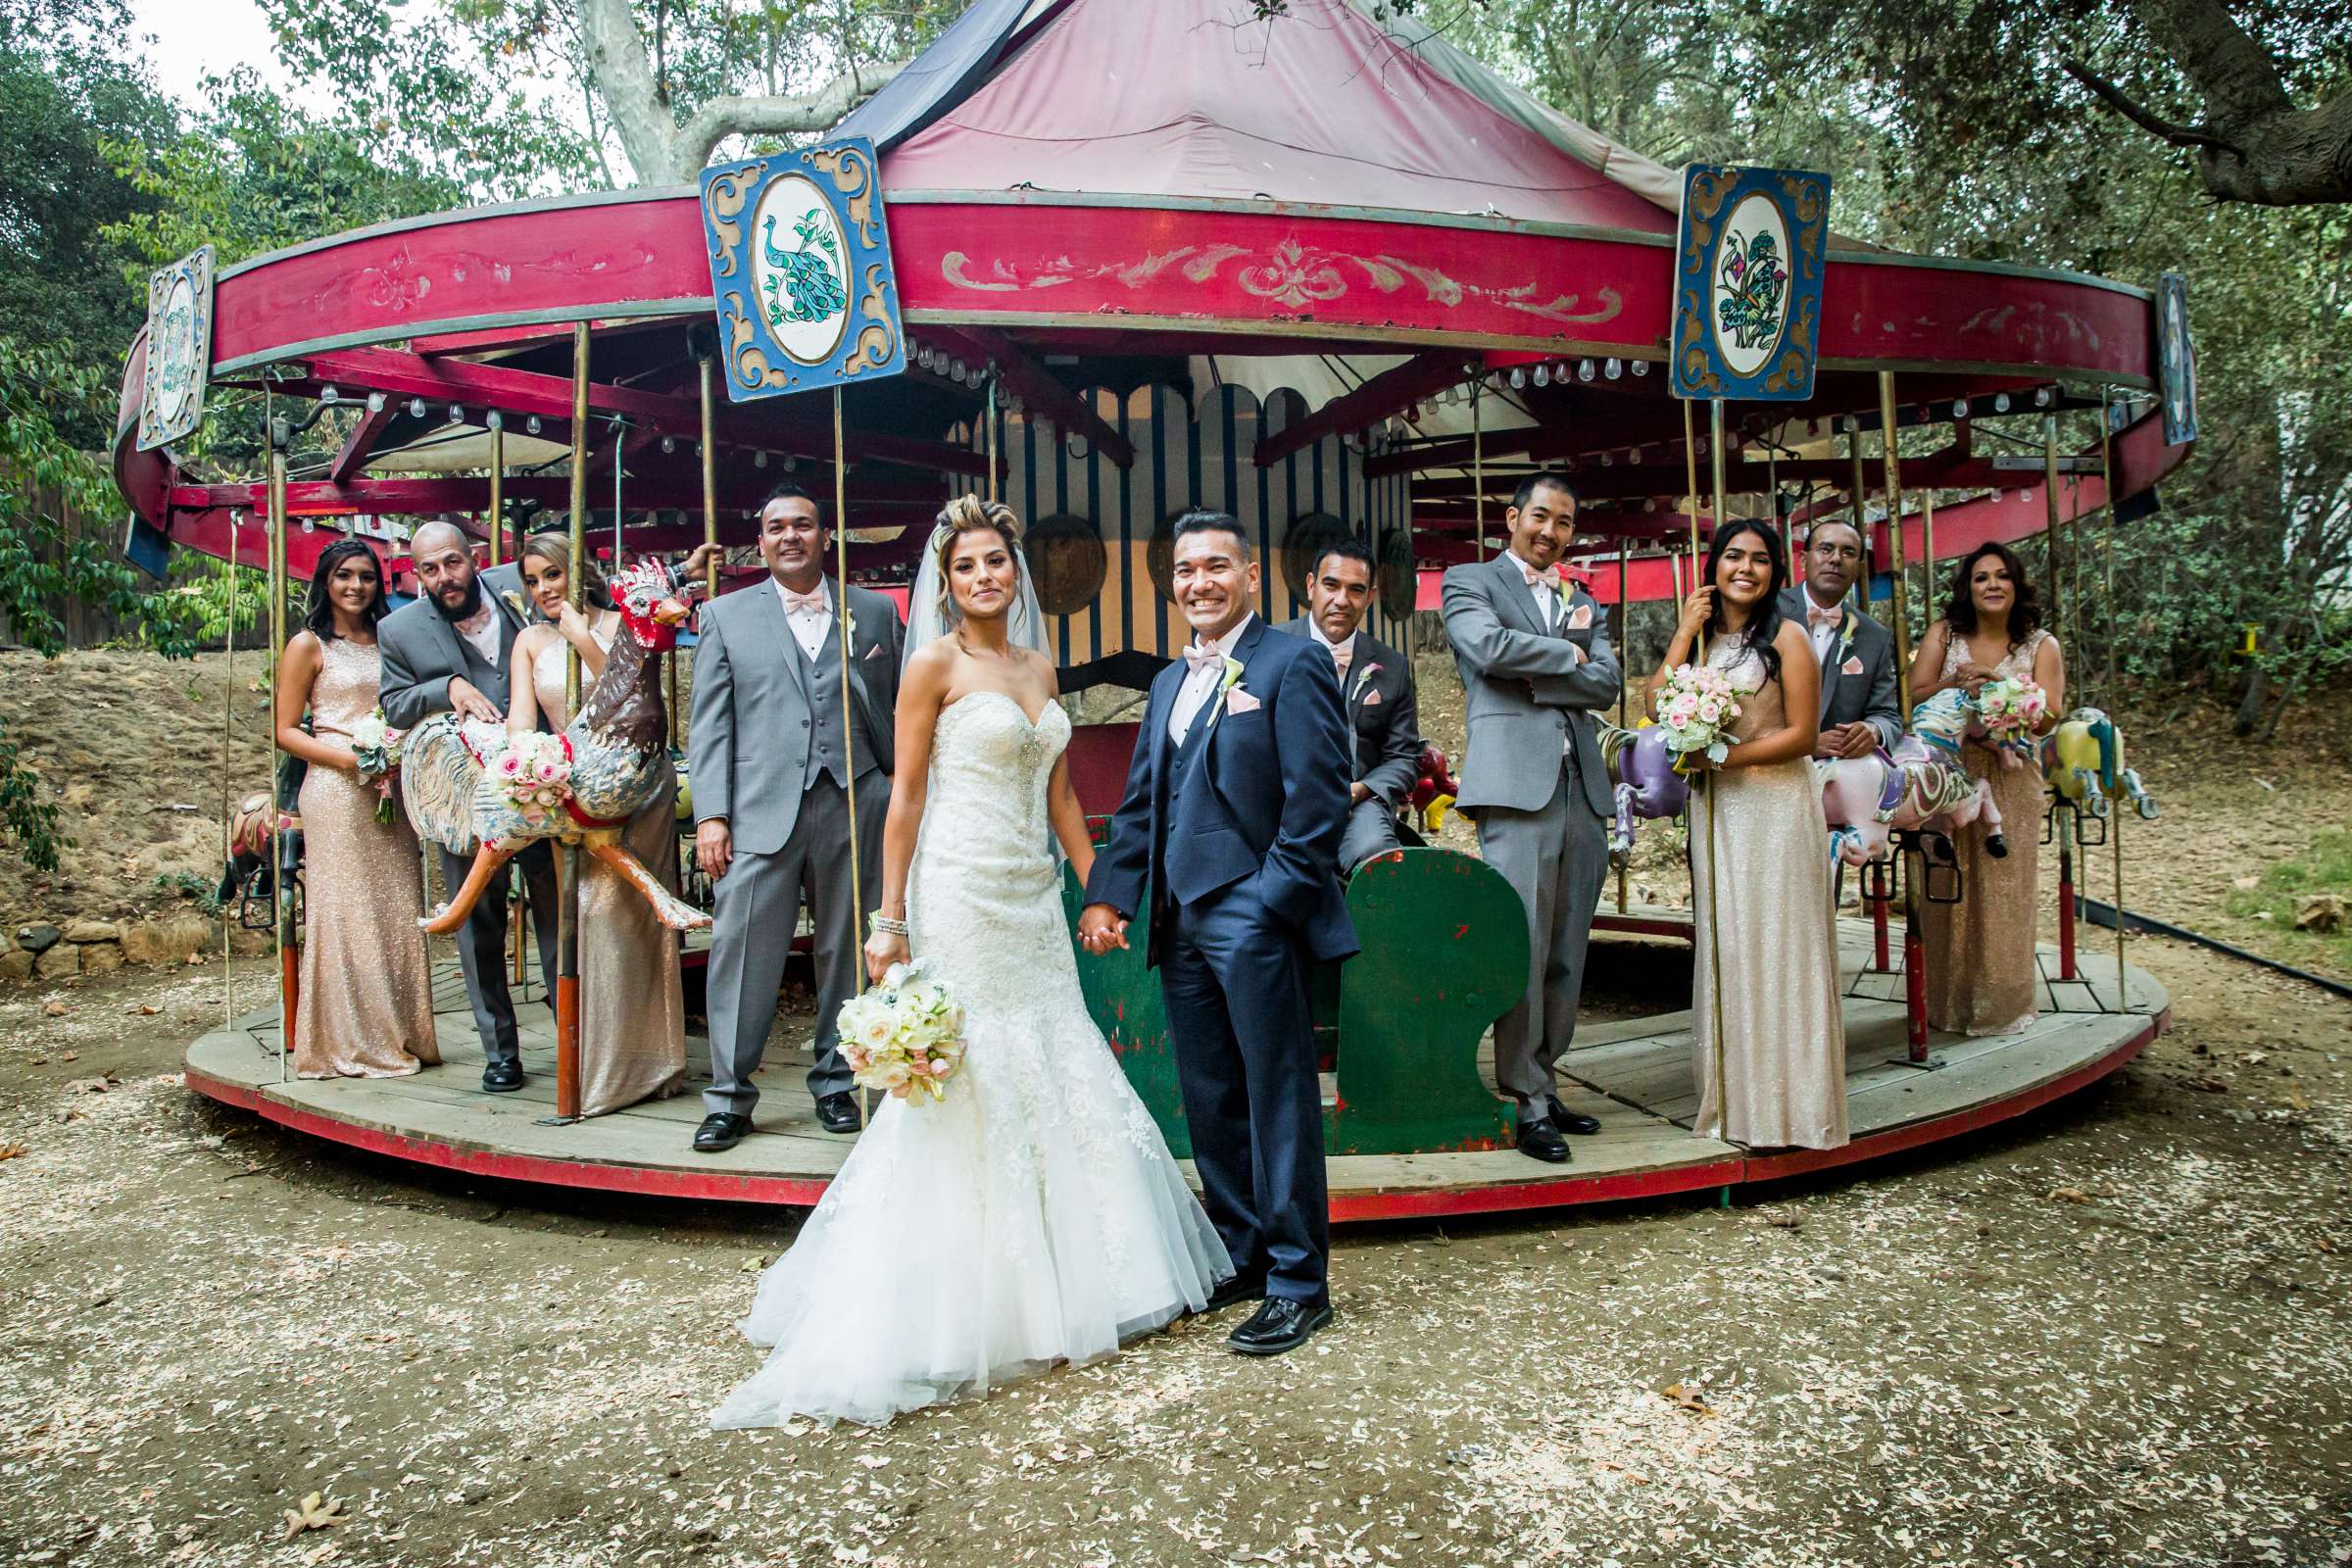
<point x="1870" y="798"/>
<point x="618" y="747"/>
<point x="1647" y="784"/>
<point x="2081" y="760"/>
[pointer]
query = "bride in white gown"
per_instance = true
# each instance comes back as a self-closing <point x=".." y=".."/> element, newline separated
<point x="1034" y="1215"/>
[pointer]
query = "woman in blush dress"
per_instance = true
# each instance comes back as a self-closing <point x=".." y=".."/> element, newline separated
<point x="367" y="1004"/>
<point x="1033" y="1215"/>
<point x="1979" y="951"/>
<point x="1771" y="1057"/>
<point x="632" y="1007"/>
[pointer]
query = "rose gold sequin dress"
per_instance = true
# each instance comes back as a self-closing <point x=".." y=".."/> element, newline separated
<point x="366" y="1005"/>
<point x="1981" y="969"/>
<point x="1770" y="932"/>
<point x="632" y="1007"/>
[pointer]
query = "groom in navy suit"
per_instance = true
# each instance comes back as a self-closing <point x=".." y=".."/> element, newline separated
<point x="1236" y="803"/>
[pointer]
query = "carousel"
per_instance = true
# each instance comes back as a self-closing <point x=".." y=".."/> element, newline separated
<point x="1331" y="276"/>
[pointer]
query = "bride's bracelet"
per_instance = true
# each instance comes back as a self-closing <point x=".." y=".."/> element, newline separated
<point x="878" y="922"/>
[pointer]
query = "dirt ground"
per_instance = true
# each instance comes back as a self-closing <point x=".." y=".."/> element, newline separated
<point x="2114" y="1332"/>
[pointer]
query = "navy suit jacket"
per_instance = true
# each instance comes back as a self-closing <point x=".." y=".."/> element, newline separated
<point x="1257" y="798"/>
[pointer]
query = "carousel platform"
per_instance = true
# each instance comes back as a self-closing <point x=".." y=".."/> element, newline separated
<point x="1635" y="1074"/>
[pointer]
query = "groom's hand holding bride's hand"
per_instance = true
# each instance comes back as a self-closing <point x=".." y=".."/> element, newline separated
<point x="1101" y="928"/>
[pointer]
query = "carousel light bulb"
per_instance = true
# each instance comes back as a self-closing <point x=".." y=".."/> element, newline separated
<point x="1641" y="366"/>
<point x="416" y="408"/>
<point x="309" y="526"/>
<point x="957" y="370"/>
<point x="376" y="403"/>
<point x="1543" y="375"/>
<point x="1605" y="460"/>
<point x="2000" y="403"/>
<point x="1634" y="456"/>
<point x="457" y="414"/>
<point x="758" y="460"/>
<point x="1584" y="371"/>
<point x="531" y="425"/>
<point x="2041" y="397"/>
<point x="791" y="464"/>
<point x="330" y="397"/>
<point x="1613" y="368"/>
<point x="669" y="444"/>
<point x="1518" y="376"/>
<point x="1852" y="427"/>
<point x="1960" y="407"/>
<point x="495" y="419"/>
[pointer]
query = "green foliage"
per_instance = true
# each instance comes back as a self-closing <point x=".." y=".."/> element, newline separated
<point x="2326" y="866"/>
<point x="27" y="815"/>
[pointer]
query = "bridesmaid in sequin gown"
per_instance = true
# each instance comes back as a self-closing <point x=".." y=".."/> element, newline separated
<point x="632" y="1007"/>
<point x="1979" y="951"/>
<point x="365" y="1010"/>
<point x="1776" y="1075"/>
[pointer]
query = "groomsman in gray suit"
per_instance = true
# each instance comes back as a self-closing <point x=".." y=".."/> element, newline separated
<point x="450" y="651"/>
<point x="1858" y="705"/>
<point x="771" y="768"/>
<point x="1536" y="662"/>
<point x="1376" y="689"/>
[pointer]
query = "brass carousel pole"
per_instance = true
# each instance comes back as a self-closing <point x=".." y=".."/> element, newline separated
<point x="1880" y="961"/>
<point x="2062" y="825"/>
<point x="568" y="862"/>
<point x="849" y="724"/>
<point x="1625" y="634"/>
<point x="281" y="885"/>
<point x="1915" y="978"/>
<point x="2107" y="693"/>
<point x="991" y="445"/>
<point x="228" y="735"/>
<point x="1701" y="783"/>
<point x="1478" y="472"/>
<point x="517" y="894"/>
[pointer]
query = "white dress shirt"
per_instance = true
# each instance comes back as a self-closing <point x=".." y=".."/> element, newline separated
<point x="1547" y="593"/>
<point x="485" y="633"/>
<point x="1202" y="684"/>
<point x="809" y="627"/>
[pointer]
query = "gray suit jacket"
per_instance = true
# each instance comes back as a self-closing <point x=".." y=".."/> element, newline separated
<point x="748" y="723"/>
<point x="1857" y="683"/>
<point x="423" y="653"/>
<point x="1382" y="715"/>
<point x="1527" y="692"/>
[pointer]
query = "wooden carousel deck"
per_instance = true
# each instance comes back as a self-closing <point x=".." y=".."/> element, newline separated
<point x="1634" y="1074"/>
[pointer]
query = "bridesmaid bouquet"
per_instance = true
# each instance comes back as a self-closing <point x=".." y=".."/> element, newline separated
<point x="376" y="746"/>
<point x="2009" y="709"/>
<point x="535" y="773"/>
<point x="904" y="1036"/>
<point x="1695" y="707"/>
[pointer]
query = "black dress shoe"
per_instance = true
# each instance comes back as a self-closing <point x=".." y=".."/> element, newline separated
<point x="1281" y="1325"/>
<point x="502" y="1077"/>
<point x="837" y="1113"/>
<point x="1541" y="1140"/>
<point x="1575" y="1123"/>
<point x="1231" y="1291"/>
<point x="720" y="1130"/>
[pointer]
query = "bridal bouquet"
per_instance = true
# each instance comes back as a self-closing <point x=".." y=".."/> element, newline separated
<point x="535" y="773"/>
<point x="2009" y="709"/>
<point x="905" y="1035"/>
<point x="1695" y="707"/>
<point x="375" y="747"/>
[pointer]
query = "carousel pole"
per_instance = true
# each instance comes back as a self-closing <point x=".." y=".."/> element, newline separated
<point x="1701" y="783"/>
<point x="1875" y="892"/>
<point x="1477" y="469"/>
<point x="1625" y="632"/>
<point x="848" y="726"/>
<point x="281" y="890"/>
<point x="2062" y="826"/>
<point x="991" y="445"/>
<point x="517" y="897"/>
<point x="229" y="732"/>
<point x="568" y="862"/>
<point x="2115" y="814"/>
<point x="1915" y="976"/>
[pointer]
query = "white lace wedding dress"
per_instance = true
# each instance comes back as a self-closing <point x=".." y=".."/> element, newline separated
<point x="1032" y="1216"/>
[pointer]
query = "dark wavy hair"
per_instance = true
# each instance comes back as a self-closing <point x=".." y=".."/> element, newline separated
<point x="320" y="617"/>
<point x="1960" y="607"/>
<point x="1764" y="621"/>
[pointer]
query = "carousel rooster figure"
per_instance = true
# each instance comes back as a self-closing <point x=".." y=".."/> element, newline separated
<point x="469" y="783"/>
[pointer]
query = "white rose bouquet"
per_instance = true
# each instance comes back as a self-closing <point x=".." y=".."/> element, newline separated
<point x="375" y="747"/>
<point x="1695" y="709"/>
<point x="906" y="1036"/>
<point x="2010" y="710"/>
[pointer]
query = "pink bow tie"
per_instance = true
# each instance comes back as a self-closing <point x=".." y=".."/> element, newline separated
<point x="1197" y="657"/>
<point x="1817" y="618"/>
<point x="1340" y="658"/>
<point x="1540" y="579"/>
<point x="814" y="600"/>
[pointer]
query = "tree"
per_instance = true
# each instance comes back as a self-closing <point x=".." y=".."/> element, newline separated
<point x="2252" y="143"/>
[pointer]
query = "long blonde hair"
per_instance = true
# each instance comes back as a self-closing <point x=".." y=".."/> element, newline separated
<point x="556" y="549"/>
<point x="968" y="513"/>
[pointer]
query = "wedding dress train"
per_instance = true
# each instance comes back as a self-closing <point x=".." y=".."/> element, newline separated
<point x="1034" y="1215"/>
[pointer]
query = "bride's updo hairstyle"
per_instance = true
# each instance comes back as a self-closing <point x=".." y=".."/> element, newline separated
<point x="969" y="514"/>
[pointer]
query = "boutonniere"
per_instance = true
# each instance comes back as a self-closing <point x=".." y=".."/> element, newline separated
<point x="1363" y="679"/>
<point x="1229" y="694"/>
<point x="515" y="599"/>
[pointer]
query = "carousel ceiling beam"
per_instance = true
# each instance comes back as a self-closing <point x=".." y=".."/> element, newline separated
<point x="319" y="498"/>
<point x="411" y="376"/>
<point x="1390" y="392"/>
<point x="1036" y="386"/>
<point x="362" y="441"/>
<point x="1749" y="477"/>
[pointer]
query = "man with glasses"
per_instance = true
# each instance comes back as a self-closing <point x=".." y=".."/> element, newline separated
<point x="1858" y="711"/>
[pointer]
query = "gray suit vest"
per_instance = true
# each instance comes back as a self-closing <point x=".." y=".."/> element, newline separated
<point x="826" y="754"/>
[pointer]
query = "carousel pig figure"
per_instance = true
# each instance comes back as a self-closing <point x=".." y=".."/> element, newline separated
<point x="1869" y="799"/>
<point x="2081" y="760"/>
<point x="471" y="784"/>
<point x="1647" y="784"/>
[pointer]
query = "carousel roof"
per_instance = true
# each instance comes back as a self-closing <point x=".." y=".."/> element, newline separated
<point x="1197" y="99"/>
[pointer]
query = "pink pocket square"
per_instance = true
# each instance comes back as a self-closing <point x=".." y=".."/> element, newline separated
<point x="1582" y="619"/>
<point x="1852" y="666"/>
<point x="1371" y="698"/>
<point x="874" y="652"/>
<point x="1238" y="701"/>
